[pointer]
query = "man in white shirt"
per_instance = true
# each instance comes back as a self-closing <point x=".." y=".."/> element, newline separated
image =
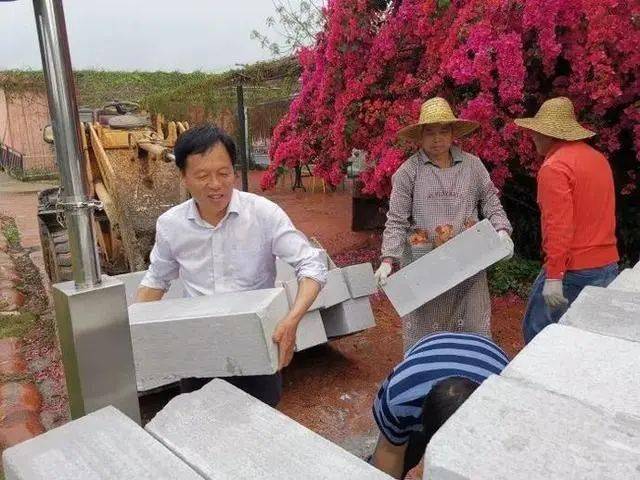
<point x="224" y="240"/>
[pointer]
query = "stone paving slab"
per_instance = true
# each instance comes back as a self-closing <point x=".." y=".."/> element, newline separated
<point x="510" y="431"/>
<point x="468" y="253"/>
<point x="223" y="433"/>
<point x="103" y="445"/>
<point x="210" y="336"/>
<point x="627" y="280"/>
<point x="348" y="317"/>
<point x="595" y="369"/>
<point x="606" y="311"/>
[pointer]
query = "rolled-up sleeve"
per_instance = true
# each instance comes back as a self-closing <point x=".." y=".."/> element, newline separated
<point x="163" y="267"/>
<point x="490" y="204"/>
<point x="294" y="248"/>
<point x="394" y="237"/>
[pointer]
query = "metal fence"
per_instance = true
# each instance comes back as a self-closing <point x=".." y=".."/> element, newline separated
<point x="27" y="167"/>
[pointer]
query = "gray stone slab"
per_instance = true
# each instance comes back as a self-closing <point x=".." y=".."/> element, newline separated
<point x="291" y="287"/>
<point x="606" y="311"/>
<point x="348" y="317"/>
<point x="627" y="281"/>
<point x="103" y="445"/>
<point x="132" y="282"/>
<point x="311" y="331"/>
<point x="211" y="336"/>
<point x="509" y="431"/>
<point x="360" y="280"/>
<point x="335" y="291"/>
<point x="465" y="255"/>
<point x="223" y="433"/>
<point x="592" y="368"/>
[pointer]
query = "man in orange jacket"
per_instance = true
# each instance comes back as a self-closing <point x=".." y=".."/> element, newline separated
<point x="577" y="204"/>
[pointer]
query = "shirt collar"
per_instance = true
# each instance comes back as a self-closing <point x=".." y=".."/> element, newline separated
<point x="456" y="153"/>
<point x="233" y="207"/>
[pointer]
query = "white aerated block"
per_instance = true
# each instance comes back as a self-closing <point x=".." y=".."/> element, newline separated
<point x="443" y="268"/>
<point x="210" y="336"/>
<point x="335" y="290"/>
<point x="132" y="282"/>
<point x="637" y="267"/>
<point x="223" y="433"/>
<point x="284" y="271"/>
<point x="103" y="445"/>
<point x="594" y="369"/>
<point x="360" y="280"/>
<point x="509" y="431"/>
<point x="310" y="331"/>
<point x="606" y="311"/>
<point x="348" y="317"/>
<point x="627" y="281"/>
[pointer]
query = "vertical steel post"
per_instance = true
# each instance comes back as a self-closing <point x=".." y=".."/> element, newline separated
<point x="241" y="138"/>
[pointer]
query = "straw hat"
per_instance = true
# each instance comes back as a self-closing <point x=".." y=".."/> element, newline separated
<point x="437" y="110"/>
<point x="556" y="118"/>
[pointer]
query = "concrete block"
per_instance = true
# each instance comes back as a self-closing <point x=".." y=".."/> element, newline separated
<point x="637" y="267"/>
<point x="627" y="281"/>
<point x="360" y="280"/>
<point x="335" y="290"/>
<point x="132" y="282"/>
<point x="310" y="331"/>
<point x="348" y="317"/>
<point x="223" y="433"/>
<point x="443" y="268"/>
<point x="210" y="336"/>
<point x="606" y="311"/>
<point x="595" y="369"/>
<point x="291" y="287"/>
<point x="509" y="431"/>
<point x="102" y="445"/>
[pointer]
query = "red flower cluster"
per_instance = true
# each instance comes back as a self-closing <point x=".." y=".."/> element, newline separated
<point x="492" y="59"/>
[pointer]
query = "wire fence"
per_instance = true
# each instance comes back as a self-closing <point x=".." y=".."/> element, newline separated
<point x="27" y="167"/>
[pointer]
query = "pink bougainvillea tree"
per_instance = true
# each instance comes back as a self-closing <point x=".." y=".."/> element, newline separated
<point x="370" y="70"/>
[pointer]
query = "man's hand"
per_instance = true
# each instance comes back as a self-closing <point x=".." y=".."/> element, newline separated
<point x="285" y="336"/>
<point x="383" y="272"/>
<point x="553" y="294"/>
<point x="506" y="240"/>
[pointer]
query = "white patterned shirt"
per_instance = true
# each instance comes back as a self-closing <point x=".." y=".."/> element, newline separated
<point x="236" y="255"/>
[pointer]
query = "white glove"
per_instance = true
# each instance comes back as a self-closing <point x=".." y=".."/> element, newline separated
<point x="506" y="240"/>
<point x="382" y="273"/>
<point x="553" y="294"/>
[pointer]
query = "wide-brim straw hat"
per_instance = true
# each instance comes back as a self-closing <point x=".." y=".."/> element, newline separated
<point x="557" y="119"/>
<point x="437" y="111"/>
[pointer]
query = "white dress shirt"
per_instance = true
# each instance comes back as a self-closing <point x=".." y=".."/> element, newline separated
<point x="236" y="255"/>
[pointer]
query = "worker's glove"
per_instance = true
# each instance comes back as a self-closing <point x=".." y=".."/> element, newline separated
<point x="553" y="295"/>
<point x="506" y="240"/>
<point x="383" y="273"/>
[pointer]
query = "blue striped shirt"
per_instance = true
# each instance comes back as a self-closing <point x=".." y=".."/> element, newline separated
<point x="398" y="407"/>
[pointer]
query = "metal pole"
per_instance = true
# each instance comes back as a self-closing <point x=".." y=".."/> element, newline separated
<point x="78" y="210"/>
<point x="241" y="138"/>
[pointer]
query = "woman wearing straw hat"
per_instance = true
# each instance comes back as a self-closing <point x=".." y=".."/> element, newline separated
<point x="577" y="204"/>
<point x="438" y="192"/>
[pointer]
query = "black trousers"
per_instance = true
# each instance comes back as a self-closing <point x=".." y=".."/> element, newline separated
<point x="266" y="388"/>
<point x="415" y="451"/>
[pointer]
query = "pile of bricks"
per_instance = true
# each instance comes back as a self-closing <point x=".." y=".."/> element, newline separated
<point x="217" y="432"/>
<point x="567" y="406"/>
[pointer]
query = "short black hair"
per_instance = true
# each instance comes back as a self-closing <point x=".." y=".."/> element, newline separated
<point x="444" y="398"/>
<point x="201" y="139"/>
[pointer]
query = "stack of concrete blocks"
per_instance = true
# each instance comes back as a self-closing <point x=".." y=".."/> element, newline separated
<point x="342" y="307"/>
<point x="210" y="336"/>
<point x="567" y="406"/>
<point x="462" y="257"/>
<point x="218" y="432"/>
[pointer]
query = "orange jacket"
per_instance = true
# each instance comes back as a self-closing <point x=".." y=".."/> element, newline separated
<point x="577" y="201"/>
